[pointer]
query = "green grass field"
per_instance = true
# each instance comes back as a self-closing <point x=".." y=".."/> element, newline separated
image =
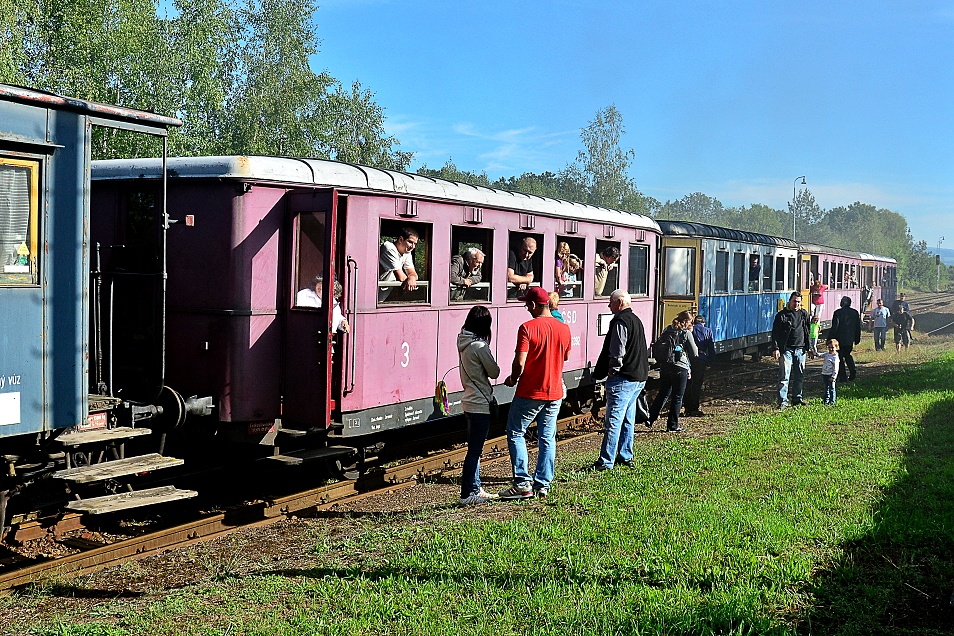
<point x="816" y="520"/>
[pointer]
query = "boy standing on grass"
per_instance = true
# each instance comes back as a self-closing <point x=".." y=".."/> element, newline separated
<point x="830" y="370"/>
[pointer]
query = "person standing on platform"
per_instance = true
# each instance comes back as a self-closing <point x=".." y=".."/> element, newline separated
<point x="624" y="361"/>
<point x="706" y="346"/>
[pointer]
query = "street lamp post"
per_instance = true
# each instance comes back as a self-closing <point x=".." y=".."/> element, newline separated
<point x="938" y="258"/>
<point x="794" y="207"/>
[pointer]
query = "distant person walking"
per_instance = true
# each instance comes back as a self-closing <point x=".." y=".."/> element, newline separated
<point x="477" y="368"/>
<point x="543" y="345"/>
<point x="625" y="362"/>
<point x="846" y="329"/>
<point x="789" y="347"/>
<point x="879" y="316"/>
<point x="674" y="373"/>
<point x="697" y="371"/>
<point x="903" y="324"/>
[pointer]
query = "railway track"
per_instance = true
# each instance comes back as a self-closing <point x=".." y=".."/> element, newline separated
<point x="92" y="557"/>
<point x="725" y="382"/>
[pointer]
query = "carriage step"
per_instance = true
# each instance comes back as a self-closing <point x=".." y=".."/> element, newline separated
<point x="117" y="468"/>
<point x="103" y="435"/>
<point x="127" y="500"/>
<point x="296" y="458"/>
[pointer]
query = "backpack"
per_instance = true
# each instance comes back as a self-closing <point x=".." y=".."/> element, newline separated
<point x="667" y="349"/>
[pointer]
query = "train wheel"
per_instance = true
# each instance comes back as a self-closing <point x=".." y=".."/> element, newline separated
<point x="347" y="467"/>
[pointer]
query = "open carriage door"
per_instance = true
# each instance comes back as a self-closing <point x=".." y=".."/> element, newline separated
<point x="307" y="373"/>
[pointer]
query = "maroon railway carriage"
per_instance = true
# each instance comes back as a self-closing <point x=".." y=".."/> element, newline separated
<point x="251" y="232"/>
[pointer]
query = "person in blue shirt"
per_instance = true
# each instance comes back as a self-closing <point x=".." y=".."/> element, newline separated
<point x="706" y="346"/>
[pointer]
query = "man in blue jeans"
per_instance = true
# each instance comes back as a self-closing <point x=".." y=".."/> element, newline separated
<point x="543" y="345"/>
<point x="624" y="360"/>
<point x="789" y="346"/>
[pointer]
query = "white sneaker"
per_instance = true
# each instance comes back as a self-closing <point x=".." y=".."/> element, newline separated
<point x="484" y="493"/>
<point x="473" y="500"/>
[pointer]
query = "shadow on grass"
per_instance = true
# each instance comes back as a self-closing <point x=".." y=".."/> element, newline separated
<point x="899" y="578"/>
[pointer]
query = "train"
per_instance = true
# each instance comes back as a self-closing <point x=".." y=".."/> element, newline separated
<point x="128" y="285"/>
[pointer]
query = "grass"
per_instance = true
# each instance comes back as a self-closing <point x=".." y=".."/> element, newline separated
<point x="816" y="520"/>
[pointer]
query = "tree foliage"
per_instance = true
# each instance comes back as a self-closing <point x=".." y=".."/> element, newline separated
<point x="238" y="75"/>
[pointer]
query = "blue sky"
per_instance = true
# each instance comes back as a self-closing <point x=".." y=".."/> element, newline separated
<point x="734" y="99"/>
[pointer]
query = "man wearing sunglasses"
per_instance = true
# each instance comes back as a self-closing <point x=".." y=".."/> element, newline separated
<point x="465" y="272"/>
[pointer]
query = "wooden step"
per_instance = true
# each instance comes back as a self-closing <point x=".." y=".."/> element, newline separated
<point x="117" y="468"/>
<point x="80" y="438"/>
<point x="295" y="458"/>
<point x="126" y="500"/>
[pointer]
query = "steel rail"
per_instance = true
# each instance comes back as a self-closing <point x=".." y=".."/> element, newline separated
<point x="257" y="514"/>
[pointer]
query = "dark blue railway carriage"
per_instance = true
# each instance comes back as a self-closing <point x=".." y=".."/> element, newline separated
<point x="45" y="296"/>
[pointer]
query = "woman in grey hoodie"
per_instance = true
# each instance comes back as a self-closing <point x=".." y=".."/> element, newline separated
<point x="477" y="367"/>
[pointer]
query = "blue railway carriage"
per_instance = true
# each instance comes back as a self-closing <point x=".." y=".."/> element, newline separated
<point x="738" y="280"/>
<point x="45" y="261"/>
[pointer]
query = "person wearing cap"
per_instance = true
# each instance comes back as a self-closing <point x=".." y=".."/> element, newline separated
<point x="543" y="346"/>
<point x="697" y="372"/>
<point x="901" y="302"/>
<point x="903" y="324"/>
<point x="624" y="361"/>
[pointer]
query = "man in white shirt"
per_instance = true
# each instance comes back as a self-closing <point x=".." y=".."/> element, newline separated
<point x="880" y="315"/>
<point x="395" y="262"/>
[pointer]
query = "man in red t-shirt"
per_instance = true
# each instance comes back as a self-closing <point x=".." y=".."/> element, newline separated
<point x="543" y="345"/>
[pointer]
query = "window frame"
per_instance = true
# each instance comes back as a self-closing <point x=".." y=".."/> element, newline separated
<point x="514" y="240"/>
<point x="425" y="233"/>
<point x="34" y="168"/>
<point x="486" y="271"/>
<point x="632" y="275"/>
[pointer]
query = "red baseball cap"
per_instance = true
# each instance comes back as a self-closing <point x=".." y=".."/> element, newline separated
<point x="537" y="294"/>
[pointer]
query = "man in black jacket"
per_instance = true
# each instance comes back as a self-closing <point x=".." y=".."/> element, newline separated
<point x="846" y="329"/>
<point x="789" y="346"/>
<point x="625" y="361"/>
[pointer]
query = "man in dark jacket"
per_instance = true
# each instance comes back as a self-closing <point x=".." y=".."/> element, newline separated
<point x="706" y="346"/>
<point x="624" y="360"/>
<point x="846" y="329"/>
<point x="789" y="346"/>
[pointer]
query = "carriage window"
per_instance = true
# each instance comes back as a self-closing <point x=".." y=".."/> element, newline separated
<point x="310" y="266"/>
<point x="722" y="272"/>
<point x="755" y="272"/>
<point x="738" y="272"/>
<point x="825" y="274"/>
<point x="791" y="273"/>
<point x="767" y="273"/>
<point x="19" y="214"/>
<point x="680" y="267"/>
<point x="606" y="268"/>
<point x="638" y="270"/>
<point x="404" y="258"/>
<point x="471" y="264"/>
<point x="779" y="273"/>
<point x="568" y="266"/>
<point x="841" y="275"/>
<point x="524" y="263"/>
